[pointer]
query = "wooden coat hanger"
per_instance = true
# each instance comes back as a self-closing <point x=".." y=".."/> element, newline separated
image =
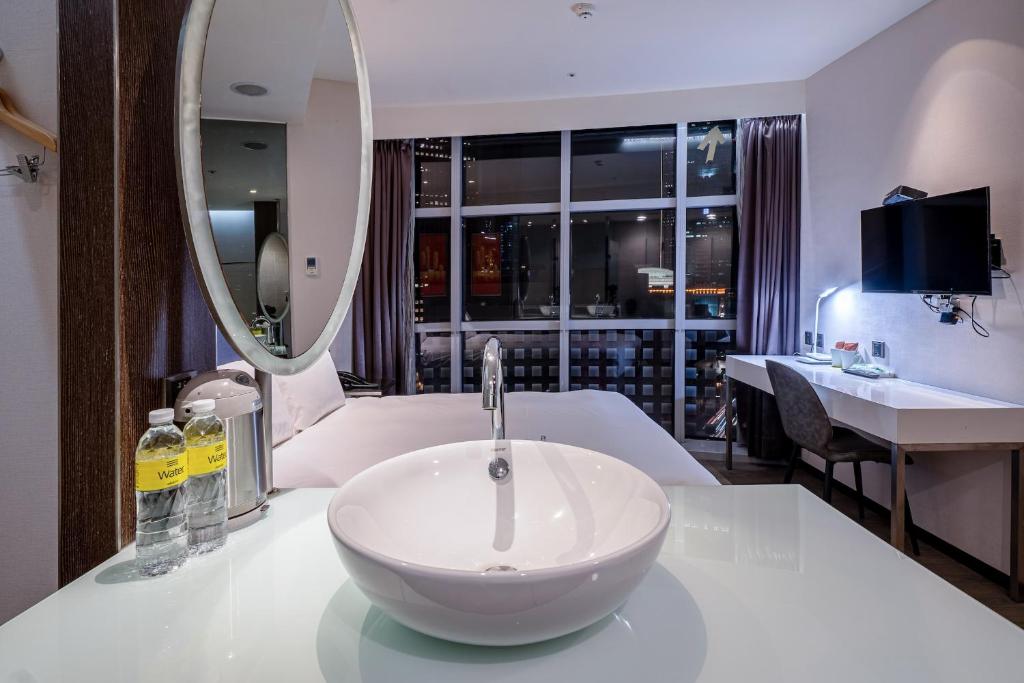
<point x="10" y="115"/>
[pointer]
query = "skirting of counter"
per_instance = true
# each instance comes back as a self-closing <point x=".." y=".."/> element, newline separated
<point x="755" y="583"/>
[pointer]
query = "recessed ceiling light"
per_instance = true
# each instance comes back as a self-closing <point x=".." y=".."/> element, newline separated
<point x="252" y="191"/>
<point x="249" y="89"/>
<point x="641" y="218"/>
<point x="255" y="146"/>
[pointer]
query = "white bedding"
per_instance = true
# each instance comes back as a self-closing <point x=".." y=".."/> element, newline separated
<point x="366" y="431"/>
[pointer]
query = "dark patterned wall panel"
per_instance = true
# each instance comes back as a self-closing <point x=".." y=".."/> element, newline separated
<point x="166" y="326"/>
<point x="705" y="377"/>
<point x="635" y="363"/>
<point x="433" y="363"/>
<point x="88" y="442"/>
<point x="529" y="359"/>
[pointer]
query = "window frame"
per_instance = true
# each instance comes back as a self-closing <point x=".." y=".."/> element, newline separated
<point x="565" y="324"/>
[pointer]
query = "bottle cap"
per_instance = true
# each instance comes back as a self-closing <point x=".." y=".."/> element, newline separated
<point x="162" y="416"/>
<point x="203" y="405"/>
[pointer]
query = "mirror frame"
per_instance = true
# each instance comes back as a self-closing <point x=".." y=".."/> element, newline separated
<point x="276" y="237"/>
<point x="196" y="217"/>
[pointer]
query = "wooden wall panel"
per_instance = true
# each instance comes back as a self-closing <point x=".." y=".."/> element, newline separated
<point x="165" y="325"/>
<point x="131" y="309"/>
<point x="88" y="489"/>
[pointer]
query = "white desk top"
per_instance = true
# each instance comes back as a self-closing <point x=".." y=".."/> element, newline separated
<point x="759" y="584"/>
<point x="895" y="409"/>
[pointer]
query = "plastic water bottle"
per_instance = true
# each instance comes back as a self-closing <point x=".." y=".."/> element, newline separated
<point x="207" y="447"/>
<point x="161" y="475"/>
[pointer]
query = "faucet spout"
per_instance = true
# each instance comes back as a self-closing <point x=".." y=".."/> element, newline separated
<point x="493" y="380"/>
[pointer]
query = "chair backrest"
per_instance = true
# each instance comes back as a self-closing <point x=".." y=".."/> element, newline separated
<point x="803" y="416"/>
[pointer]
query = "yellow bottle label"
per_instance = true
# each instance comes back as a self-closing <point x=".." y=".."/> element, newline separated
<point x="207" y="459"/>
<point x="163" y="473"/>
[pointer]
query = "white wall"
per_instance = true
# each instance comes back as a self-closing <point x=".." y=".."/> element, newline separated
<point x="589" y="112"/>
<point x="28" y="317"/>
<point x="323" y="188"/>
<point x="935" y="102"/>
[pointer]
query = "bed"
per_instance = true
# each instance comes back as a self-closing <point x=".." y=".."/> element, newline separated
<point x="335" y="438"/>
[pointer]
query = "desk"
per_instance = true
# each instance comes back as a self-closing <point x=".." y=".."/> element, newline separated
<point x="912" y="418"/>
<point x="754" y="583"/>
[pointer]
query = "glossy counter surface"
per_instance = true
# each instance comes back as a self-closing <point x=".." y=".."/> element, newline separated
<point x="758" y="584"/>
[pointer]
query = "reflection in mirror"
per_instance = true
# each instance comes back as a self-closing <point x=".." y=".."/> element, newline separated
<point x="281" y="154"/>
<point x="272" y="285"/>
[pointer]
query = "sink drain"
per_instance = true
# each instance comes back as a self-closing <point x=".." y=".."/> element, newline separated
<point x="501" y="568"/>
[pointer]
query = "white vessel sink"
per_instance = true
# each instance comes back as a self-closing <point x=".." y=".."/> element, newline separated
<point x="439" y="546"/>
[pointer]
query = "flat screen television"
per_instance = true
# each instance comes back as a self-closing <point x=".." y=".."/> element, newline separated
<point x="937" y="245"/>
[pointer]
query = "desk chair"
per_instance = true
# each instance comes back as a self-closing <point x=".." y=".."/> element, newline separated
<point x="805" y="422"/>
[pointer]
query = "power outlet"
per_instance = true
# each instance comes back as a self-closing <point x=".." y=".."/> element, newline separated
<point x="807" y="337"/>
<point x="821" y="342"/>
<point x="878" y="349"/>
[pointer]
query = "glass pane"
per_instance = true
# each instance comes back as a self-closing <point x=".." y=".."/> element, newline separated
<point x="705" y="382"/>
<point x="635" y="363"/>
<point x="623" y="264"/>
<point x="511" y="267"/>
<point x="433" y="256"/>
<point x="511" y="169"/>
<point x="711" y="247"/>
<point x="710" y="158"/>
<point x="433" y="363"/>
<point x="624" y="163"/>
<point x="529" y="360"/>
<point x="433" y="172"/>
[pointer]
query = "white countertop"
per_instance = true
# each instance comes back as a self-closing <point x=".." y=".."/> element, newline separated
<point x="762" y="583"/>
<point x="896" y="409"/>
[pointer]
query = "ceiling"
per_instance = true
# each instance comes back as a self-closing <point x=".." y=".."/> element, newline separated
<point x="279" y="44"/>
<point x="430" y="52"/>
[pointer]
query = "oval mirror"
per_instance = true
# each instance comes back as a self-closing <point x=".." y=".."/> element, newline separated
<point x="272" y="277"/>
<point x="274" y="157"/>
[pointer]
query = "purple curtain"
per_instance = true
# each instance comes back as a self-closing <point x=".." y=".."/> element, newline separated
<point x="769" y="259"/>
<point x="768" y="288"/>
<point x="382" y="307"/>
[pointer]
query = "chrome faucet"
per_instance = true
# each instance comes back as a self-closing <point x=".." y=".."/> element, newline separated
<point x="494" y="401"/>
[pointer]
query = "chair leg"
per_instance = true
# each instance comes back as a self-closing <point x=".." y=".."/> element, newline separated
<point x="827" y="494"/>
<point x="910" y="526"/>
<point x="794" y="458"/>
<point x="860" y="490"/>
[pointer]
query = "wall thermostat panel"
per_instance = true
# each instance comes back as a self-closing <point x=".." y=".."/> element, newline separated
<point x="312" y="267"/>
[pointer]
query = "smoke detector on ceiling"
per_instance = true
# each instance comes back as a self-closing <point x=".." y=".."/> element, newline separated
<point x="583" y="10"/>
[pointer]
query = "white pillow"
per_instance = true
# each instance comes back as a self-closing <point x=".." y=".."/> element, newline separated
<point x="283" y="422"/>
<point x="313" y="393"/>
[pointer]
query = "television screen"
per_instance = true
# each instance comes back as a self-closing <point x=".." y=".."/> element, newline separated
<point x="937" y="245"/>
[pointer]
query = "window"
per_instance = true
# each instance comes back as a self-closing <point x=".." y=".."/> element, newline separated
<point x="433" y="172"/>
<point x="710" y="159"/>
<point x="433" y="363"/>
<point x="433" y="285"/>
<point x="623" y="264"/>
<point x="710" y="257"/>
<point x="511" y="169"/>
<point x="635" y="363"/>
<point x="529" y="360"/>
<point x="705" y="382"/>
<point x="602" y="259"/>
<point x="511" y="267"/>
<point x="624" y="163"/>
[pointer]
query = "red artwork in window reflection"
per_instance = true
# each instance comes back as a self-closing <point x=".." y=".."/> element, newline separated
<point x="485" y="275"/>
<point x="433" y="264"/>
